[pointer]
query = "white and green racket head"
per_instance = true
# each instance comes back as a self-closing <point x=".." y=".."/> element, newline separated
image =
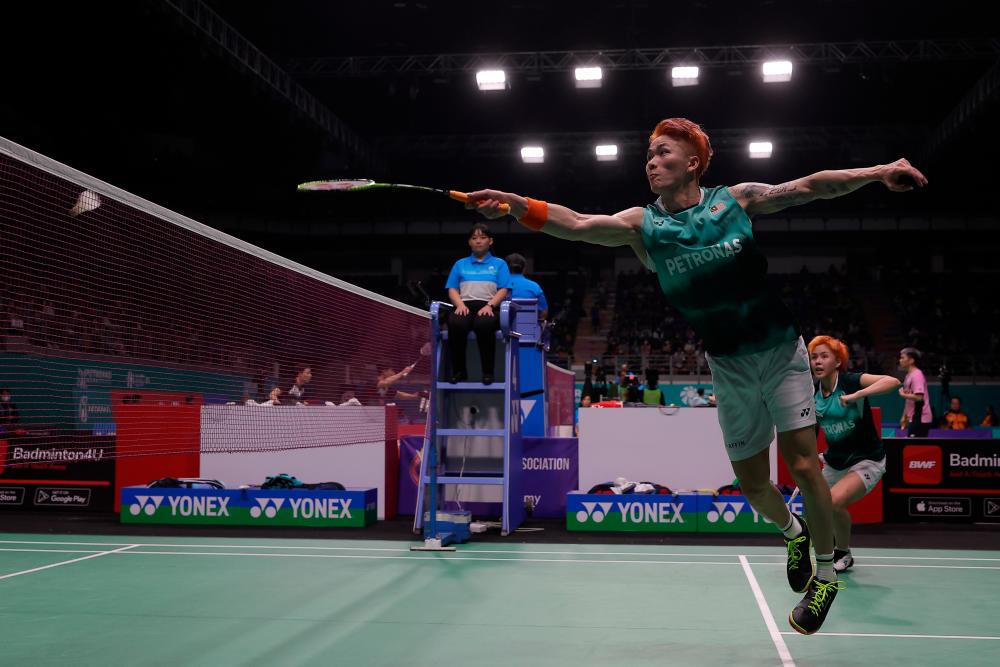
<point x="356" y="184"/>
<point x="342" y="184"/>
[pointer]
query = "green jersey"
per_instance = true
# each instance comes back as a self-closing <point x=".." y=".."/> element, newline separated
<point x="711" y="270"/>
<point x="850" y="429"/>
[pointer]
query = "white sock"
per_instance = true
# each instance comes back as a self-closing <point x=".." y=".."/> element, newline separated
<point x="793" y="528"/>
<point x="824" y="567"/>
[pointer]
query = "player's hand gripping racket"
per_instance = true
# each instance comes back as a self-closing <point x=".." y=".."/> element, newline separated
<point x="359" y="184"/>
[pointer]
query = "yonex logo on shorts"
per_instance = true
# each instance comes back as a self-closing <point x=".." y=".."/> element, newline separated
<point x="267" y="506"/>
<point x="597" y="511"/>
<point x="145" y="504"/>
<point x="805" y="412"/>
<point x="726" y="510"/>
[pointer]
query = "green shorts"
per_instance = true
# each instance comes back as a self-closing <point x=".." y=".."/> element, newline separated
<point x="759" y="392"/>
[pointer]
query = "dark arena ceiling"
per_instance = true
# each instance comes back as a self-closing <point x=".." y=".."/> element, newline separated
<point x="219" y="107"/>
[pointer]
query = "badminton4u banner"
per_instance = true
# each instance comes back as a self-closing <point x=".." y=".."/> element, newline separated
<point x="353" y="508"/>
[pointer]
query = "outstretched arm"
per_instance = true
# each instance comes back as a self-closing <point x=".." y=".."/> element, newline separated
<point x="622" y="228"/>
<point x="608" y="230"/>
<point x="872" y="385"/>
<point x="393" y="379"/>
<point x="900" y="176"/>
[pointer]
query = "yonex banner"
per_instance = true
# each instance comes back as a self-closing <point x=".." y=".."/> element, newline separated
<point x="634" y="513"/>
<point x="353" y="508"/>
<point x="733" y="514"/>
<point x="682" y="513"/>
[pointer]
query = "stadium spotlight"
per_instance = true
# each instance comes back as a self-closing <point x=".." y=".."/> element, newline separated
<point x="606" y="152"/>
<point x="532" y="154"/>
<point x="684" y="76"/>
<point x="491" y="79"/>
<point x="760" y="149"/>
<point x="776" y="71"/>
<point x="588" y="77"/>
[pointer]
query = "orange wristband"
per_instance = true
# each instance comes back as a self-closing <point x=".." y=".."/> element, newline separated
<point x="537" y="215"/>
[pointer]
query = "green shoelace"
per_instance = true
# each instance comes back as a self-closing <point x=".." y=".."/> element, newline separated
<point x="794" y="553"/>
<point x="822" y="591"/>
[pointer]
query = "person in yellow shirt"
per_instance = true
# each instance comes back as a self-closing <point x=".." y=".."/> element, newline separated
<point x="955" y="419"/>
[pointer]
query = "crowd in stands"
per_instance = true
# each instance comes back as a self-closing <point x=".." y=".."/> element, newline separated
<point x="647" y="331"/>
<point x="954" y="318"/>
<point x="826" y="304"/>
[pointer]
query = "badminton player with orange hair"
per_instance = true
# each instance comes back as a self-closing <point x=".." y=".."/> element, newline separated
<point x="700" y="242"/>
<point x="854" y="461"/>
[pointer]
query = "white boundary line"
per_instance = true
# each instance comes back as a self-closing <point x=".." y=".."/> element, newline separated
<point x="878" y="635"/>
<point x="765" y="611"/>
<point x="67" y="562"/>
<point x="776" y="635"/>
<point x="515" y="556"/>
<point x="432" y="558"/>
<point x="497" y="551"/>
<point x="56" y="551"/>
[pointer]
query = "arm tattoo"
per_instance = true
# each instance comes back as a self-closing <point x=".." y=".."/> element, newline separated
<point x="786" y="193"/>
<point x="751" y="191"/>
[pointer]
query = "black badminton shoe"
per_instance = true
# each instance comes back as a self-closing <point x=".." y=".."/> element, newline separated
<point x="800" y="565"/>
<point x="808" y="615"/>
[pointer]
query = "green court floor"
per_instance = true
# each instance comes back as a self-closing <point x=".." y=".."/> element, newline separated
<point x="99" y="600"/>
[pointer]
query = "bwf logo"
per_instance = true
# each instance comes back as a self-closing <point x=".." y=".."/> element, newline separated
<point x="597" y="511"/>
<point x="921" y="464"/>
<point x="267" y="506"/>
<point x="145" y="505"/>
<point x="727" y="511"/>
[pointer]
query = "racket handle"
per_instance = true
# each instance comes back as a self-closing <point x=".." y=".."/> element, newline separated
<point x="462" y="197"/>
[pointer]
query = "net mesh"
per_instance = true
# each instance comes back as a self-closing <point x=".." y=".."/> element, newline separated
<point x="121" y="321"/>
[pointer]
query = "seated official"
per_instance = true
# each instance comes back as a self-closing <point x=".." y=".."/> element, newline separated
<point x="524" y="288"/>
<point x="476" y="286"/>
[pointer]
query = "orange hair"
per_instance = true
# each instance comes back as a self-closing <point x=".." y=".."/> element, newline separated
<point x="836" y="346"/>
<point x="683" y="129"/>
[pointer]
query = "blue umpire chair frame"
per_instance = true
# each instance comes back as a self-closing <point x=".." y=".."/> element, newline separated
<point x="433" y="473"/>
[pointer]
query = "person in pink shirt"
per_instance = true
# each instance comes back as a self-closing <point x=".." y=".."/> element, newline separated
<point x="914" y="390"/>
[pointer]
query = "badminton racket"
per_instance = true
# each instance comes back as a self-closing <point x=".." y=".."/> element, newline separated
<point x="791" y="498"/>
<point x="425" y="351"/>
<point x="359" y="184"/>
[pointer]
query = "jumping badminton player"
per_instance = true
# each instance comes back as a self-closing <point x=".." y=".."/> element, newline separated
<point x="854" y="461"/>
<point x="701" y="245"/>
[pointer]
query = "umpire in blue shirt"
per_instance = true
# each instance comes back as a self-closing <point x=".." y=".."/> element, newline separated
<point x="477" y="284"/>
<point x="524" y="288"/>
